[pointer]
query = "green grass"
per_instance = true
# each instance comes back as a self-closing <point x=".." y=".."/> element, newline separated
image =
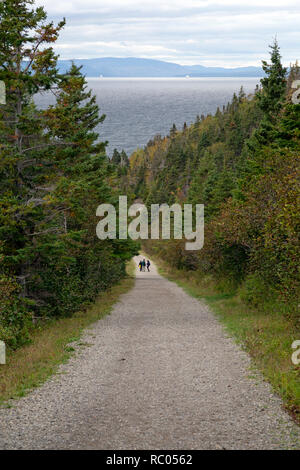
<point x="32" y="364"/>
<point x="266" y="332"/>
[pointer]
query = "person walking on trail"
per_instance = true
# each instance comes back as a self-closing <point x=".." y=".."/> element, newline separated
<point x="148" y="265"/>
<point x="144" y="264"/>
<point x="141" y="265"/>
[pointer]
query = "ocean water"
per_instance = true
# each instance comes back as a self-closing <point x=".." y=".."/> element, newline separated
<point x="138" y="108"/>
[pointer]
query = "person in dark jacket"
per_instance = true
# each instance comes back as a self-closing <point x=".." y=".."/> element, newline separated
<point x="148" y="265"/>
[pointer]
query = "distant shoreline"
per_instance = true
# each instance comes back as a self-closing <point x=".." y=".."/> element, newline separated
<point x="113" y="67"/>
<point x="175" y="78"/>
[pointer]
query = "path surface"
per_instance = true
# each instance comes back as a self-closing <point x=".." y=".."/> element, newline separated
<point x="160" y="374"/>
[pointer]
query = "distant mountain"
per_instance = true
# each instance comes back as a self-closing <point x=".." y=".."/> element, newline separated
<point x="134" y="67"/>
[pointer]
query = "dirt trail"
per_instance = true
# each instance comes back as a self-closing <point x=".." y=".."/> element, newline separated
<point x="160" y="373"/>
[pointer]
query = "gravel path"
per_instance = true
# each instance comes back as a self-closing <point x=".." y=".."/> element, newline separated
<point x="160" y="373"/>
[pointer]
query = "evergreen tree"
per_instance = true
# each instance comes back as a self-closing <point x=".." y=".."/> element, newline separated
<point x="173" y="131"/>
<point x="274" y="84"/>
<point x="81" y="184"/>
<point x="27" y="66"/>
<point x="116" y="158"/>
<point x="124" y="159"/>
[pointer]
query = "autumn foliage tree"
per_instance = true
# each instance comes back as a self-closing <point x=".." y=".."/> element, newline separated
<point x="243" y="165"/>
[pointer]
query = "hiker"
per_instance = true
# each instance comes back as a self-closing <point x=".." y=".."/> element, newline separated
<point x="148" y="265"/>
<point x="141" y="265"/>
<point x="144" y="264"/>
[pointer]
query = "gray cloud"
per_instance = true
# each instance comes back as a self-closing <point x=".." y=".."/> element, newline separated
<point x="219" y="33"/>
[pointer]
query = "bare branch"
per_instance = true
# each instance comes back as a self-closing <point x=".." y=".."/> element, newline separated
<point x="53" y="229"/>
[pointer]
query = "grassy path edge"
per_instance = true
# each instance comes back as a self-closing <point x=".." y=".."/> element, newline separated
<point x="31" y="365"/>
<point x="266" y="338"/>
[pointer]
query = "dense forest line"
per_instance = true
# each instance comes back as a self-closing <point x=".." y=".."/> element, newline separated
<point x="53" y="174"/>
<point x="243" y="164"/>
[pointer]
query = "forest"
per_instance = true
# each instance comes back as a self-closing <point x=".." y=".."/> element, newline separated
<point x="53" y="173"/>
<point x="242" y="163"/>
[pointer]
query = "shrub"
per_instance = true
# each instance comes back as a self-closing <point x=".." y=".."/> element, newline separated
<point x="15" y="317"/>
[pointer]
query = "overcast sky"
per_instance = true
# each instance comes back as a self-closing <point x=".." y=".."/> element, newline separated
<point x="209" y="32"/>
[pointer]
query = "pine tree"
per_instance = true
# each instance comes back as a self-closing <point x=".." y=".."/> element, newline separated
<point x="116" y="157"/>
<point x="274" y="84"/>
<point x="270" y="99"/>
<point x="27" y="66"/>
<point x="124" y="160"/>
<point x="84" y="180"/>
<point x="173" y="131"/>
